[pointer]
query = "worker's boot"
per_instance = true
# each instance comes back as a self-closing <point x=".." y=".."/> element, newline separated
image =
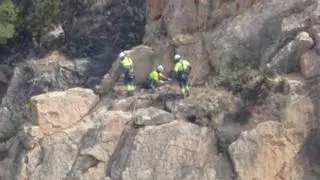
<point x="187" y="93"/>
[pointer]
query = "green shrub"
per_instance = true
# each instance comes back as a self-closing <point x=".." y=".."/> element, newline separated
<point x="8" y="17"/>
<point x="37" y="17"/>
<point x="247" y="80"/>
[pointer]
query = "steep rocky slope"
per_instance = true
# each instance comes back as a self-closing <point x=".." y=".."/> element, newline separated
<point x="152" y="136"/>
<point x="53" y="129"/>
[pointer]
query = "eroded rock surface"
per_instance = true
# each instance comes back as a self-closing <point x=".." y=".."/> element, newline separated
<point x="288" y="57"/>
<point x="59" y="110"/>
<point x="182" y="151"/>
<point x="270" y="150"/>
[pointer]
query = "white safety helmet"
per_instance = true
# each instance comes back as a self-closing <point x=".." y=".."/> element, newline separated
<point x="176" y="57"/>
<point x="160" y="68"/>
<point x="122" y="54"/>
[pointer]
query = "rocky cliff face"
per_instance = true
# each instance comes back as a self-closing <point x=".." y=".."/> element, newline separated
<point x="53" y="129"/>
<point x="151" y="136"/>
<point x="211" y="33"/>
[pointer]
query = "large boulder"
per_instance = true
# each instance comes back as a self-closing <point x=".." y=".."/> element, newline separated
<point x="52" y="72"/>
<point x="80" y="152"/>
<point x="263" y="152"/>
<point x="59" y="153"/>
<point x="143" y="62"/>
<point x="177" y="150"/>
<point x="59" y="110"/>
<point x="287" y="59"/>
<point x="310" y="64"/>
<point x="270" y="150"/>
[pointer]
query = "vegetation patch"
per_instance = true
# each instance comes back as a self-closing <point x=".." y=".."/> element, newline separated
<point x="8" y="18"/>
<point x="245" y="79"/>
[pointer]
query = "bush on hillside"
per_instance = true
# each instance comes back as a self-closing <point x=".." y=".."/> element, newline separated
<point x="8" y="17"/>
<point x="247" y="80"/>
<point x="37" y="16"/>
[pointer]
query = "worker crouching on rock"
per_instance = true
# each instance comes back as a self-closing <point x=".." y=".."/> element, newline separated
<point x="127" y="65"/>
<point x="155" y="77"/>
<point x="182" y="69"/>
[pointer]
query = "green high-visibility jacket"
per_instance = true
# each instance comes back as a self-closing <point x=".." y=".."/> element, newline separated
<point x="154" y="75"/>
<point x="127" y="62"/>
<point x="181" y="66"/>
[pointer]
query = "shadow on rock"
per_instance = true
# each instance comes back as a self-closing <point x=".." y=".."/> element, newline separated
<point x="310" y="152"/>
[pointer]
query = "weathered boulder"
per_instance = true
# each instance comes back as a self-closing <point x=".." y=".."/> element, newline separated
<point x="310" y="64"/>
<point x="80" y="152"/>
<point x="261" y="153"/>
<point x="269" y="151"/>
<point x="177" y="150"/>
<point x="152" y="116"/>
<point x="287" y="59"/>
<point x="59" y="154"/>
<point x="38" y="75"/>
<point x="143" y="62"/>
<point x="59" y="110"/>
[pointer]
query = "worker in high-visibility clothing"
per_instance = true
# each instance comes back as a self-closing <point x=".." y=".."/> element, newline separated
<point x="182" y="69"/>
<point x="127" y="65"/>
<point x="155" y="77"/>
